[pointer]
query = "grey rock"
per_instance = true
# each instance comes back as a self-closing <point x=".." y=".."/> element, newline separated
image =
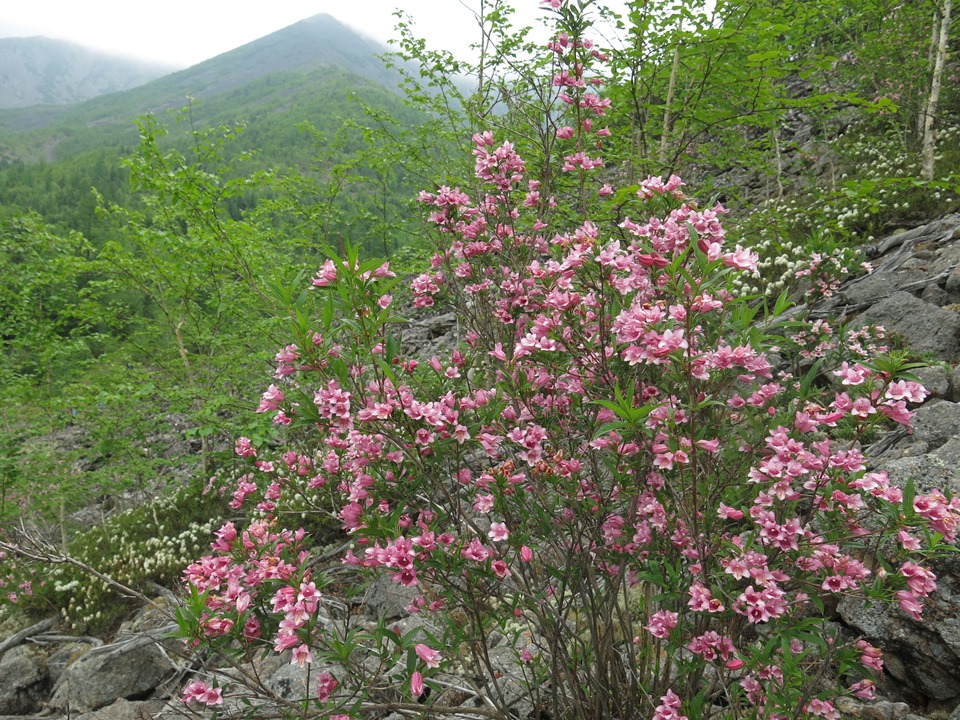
<point x="936" y="423"/>
<point x="879" y="285"/>
<point x="949" y="455"/>
<point x="849" y="707"/>
<point x="936" y="295"/>
<point x="936" y="379"/>
<point x="929" y="472"/>
<point x="290" y="682"/>
<point x="885" y="710"/>
<point x="435" y="335"/>
<point x="388" y="599"/>
<point x="955" y="383"/>
<point x="24" y="681"/>
<point x="935" y="232"/>
<point x="923" y="656"/>
<point x="126" y="710"/>
<point x="129" y="669"/>
<point x="926" y="328"/>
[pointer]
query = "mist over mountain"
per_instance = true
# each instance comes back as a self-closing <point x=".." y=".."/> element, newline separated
<point x="43" y="71"/>
<point x="316" y="60"/>
<point x="318" y="41"/>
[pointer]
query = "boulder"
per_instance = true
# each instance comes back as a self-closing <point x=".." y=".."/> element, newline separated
<point x="930" y="471"/>
<point x="129" y="669"/>
<point x="126" y="710"/>
<point x="24" y="681"/>
<point x="926" y="328"/>
<point x="387" y="599"/>
<point x="924" y="657"/>
<point x="879" y="285"/>
<point x="434" y="335"/>
<point x="937" y="422"/>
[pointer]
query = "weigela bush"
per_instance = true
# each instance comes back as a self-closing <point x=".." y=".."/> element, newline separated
<point x="609" y="501"/>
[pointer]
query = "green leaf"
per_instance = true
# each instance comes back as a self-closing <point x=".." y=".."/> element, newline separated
<point x="909" y="493"/>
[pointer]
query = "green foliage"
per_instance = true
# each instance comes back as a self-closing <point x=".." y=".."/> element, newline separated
<point x="45" y="320"/>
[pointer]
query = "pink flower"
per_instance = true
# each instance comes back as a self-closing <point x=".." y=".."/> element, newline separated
<point x="326" y="684"/>
<point x="302" y="656"/>
<point x="416" y="684"/>
<point x="741" y="259"/>
<point x="855" y="375"/>
<point x="702" y="600"/>
<point x="909" y="603"/>
<point x="483" y="503"/>
<point x="661" y="623"/>
<point x="822" y="708"/>
<point x="244" y="448"/>
<point x="669" y="708"/>
<point x="871" y="657"/>
<point x="498" y="532"/>
<point x="326" y="275"/>
<point x="270" y="400"/>
<point x="906" y="390"/>
<point x="429" y="656"/>
<point x="476" y="551"/>
<point x="725" y="511"/>
<point x="200" y="692"/>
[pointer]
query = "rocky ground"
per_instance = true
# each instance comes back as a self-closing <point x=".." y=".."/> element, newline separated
<point x="914" y="292"/>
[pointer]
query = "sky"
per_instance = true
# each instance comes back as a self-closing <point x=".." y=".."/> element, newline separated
<point x="180" y="33"/>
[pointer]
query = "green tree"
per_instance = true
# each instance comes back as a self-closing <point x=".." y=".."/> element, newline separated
<point x="198" y="271"/>
<point x="46" y="324"/>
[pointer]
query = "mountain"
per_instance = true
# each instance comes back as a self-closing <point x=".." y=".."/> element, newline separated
<point x="306" y="62"/>
<point x="319" y="41"/>
<point x="41" y="71"/>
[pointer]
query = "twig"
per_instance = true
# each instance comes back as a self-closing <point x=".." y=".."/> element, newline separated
<point x="53" y="638"/>
<point x="21" y="636"/>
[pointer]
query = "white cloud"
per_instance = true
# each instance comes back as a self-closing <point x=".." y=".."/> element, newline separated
<point x="185" y="32"/>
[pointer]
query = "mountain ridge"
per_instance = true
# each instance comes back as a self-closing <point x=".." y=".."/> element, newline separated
<point x="288" y="59"/>
<point x="39" y="70"/>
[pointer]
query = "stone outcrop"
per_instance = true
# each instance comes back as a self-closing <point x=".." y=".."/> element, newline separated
<point x="914" y="293"/>
<point x="24" y="681"/>
<point x="132" y="668"/>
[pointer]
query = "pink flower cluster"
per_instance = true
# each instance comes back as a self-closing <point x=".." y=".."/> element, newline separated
<point x="610" y="420"/>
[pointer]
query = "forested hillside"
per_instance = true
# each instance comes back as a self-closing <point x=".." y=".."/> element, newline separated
<point x="205" y="281"/>
<point x="122" y="257"/>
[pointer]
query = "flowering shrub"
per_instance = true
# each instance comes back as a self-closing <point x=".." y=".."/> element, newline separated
<point x="610" y="478"/>
<point x="826" y="272"/>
